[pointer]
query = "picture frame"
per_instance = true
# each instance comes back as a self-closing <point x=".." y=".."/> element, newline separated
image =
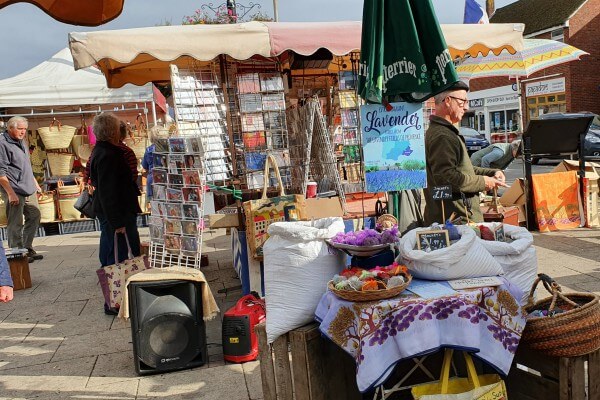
<point x="191" y="211"/>
<point x="432" y="239"/>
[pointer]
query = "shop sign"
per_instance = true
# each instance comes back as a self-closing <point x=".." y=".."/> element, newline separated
<point x="393" y="147"/>
<point x="476" y="103"/>
<point x="499" y="100"/>
<point x="545" y="87"/>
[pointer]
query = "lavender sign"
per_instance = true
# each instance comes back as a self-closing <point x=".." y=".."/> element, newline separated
<point x="393" y="147"/>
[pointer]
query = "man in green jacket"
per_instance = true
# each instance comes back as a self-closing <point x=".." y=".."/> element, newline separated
<point x="448" y="162"/>
<point x="497" y="155"/>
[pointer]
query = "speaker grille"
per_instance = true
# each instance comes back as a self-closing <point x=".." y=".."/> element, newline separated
<point x="168" y="341"/>
<point x="169" y="338"/>
<point x="234" y="326"/>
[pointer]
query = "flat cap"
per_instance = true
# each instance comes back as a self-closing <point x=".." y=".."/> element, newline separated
<point x="460" y="85"/>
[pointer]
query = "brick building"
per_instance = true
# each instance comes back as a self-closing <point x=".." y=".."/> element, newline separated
<point x="569" y="87"/>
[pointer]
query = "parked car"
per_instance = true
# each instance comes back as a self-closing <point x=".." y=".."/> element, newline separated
<point x="591" y="143"/>
<point x="473" y="140"/>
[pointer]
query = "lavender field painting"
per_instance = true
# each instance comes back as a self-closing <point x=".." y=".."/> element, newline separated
<point x="381" y="181"/>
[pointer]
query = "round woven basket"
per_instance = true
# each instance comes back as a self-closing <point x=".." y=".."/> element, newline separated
<point x="574" y="332"/>
<point x="387" y="221"/>
<point x="77" y="141"/>
<point x="84" y="152"/>
<point x="369" y="295"/>
<point x="47" y="207"/>
<point x="60" y="163"/>
<point x="360" y="251"/>
<point x="68" y="190"/>
<point x="138" y="145"/>
<point x="57" y="137"/>
<point x="66" y="207"/>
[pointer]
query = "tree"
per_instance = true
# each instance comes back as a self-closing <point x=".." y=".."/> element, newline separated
<point x="222" y="15"/>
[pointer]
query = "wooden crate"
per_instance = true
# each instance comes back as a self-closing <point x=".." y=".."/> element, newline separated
<point x="551" y="378"/>
<point x="19" y="271"/>
<point x="302" y="365"/>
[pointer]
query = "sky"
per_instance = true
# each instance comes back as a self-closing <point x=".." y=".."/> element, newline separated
<point x="28" y="36"/>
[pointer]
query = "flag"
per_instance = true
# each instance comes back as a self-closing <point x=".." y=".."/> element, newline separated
<point x="474" y="13"/>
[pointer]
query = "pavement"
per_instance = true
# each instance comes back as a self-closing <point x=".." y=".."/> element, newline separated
<point x="57" y="343"/>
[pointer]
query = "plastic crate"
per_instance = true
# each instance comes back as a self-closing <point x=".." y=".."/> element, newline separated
<point x="38" y="233"/>
<point x="84" y="225"/>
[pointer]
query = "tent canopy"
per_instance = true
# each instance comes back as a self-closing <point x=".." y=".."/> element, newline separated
<point x="142" y="55"/>
<point x="54" y="82"/>
<point x="76" y="12"/>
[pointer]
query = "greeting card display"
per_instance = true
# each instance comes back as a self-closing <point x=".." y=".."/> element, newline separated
<point x="156" y="209"/>
<point x="177" y="145"/>
<point x="191" y="178"/>
<point x="174" y="195"/>
<point x="176" y="163"/>
<point x="157" y="232"/>
<point x="160" y="160"/>
<point x="159" y="176"/>
<point x="173" y="242"/>
<point x="189" y="227"/>
<point x="173" y="227"/>
<point x="193" y="145"/>
<point x="191" y="195"/>
<point x="161" y="145"/>
<point x="173" y="210"/>
<point x="191" y="211"/>
<point x="159" y="192"/>
<point x="175" y="179"/>
<point x="192" y="161"/>
<point x="189" y="245"/>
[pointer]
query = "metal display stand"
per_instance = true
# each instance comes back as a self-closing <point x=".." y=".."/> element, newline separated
<point x="564" y="135"/>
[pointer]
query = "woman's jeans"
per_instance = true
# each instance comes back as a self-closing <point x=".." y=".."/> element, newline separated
<point x="107" y="241"/>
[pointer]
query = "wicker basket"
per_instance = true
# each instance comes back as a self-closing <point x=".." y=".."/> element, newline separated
<point x="77" y="141"/>
<point x="66" y="207"/>
<point x="574" y="332"/>
<point x="47" y="207"/>
<point x="85" y="152"/>
<point x="359" y="251"/>
<point x="369" y="295"/>
<point x="138" y="145"/>
<point x="57" y="137"/>
<point x="60" y="163"/>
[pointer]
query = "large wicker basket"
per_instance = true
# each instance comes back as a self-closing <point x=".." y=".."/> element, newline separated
<point x="60" y="163"/>
<point x="85" y="152"/>
<point x="66" y="207"/>
<point x="57" y="136"/>
<point x="574" y="332"/>
<point x="77" y="141"/>
<point x="369" y="295"/>
<point x="47" y="207"/>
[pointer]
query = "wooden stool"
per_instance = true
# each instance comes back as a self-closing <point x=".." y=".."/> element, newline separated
<point x="145" y="248"/>
<point x="19" y="268"/>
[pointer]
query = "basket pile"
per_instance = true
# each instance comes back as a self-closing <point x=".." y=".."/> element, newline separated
<point x="369" y="295"/>
<point x="57" y="137"/>
<point x="574" y="332"/>
<point x="60" y="163"/>
<point x="47" y="207"/>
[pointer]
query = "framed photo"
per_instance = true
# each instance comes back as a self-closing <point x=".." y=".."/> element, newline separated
<point x="173" y="210"/>
<point x="159" y="192"/>
<point x="191" y="178"/>
<point x="159" y="175"/>
<point x="432" y="239"/>
<point x="191" y="211"/>
<point x="191" y="195"/>
<point x="189" y="227"/>
<point x="172" y="242"/>
<point x="159" y="160"/>
<point x="172" y="227"/>
<point x="189" y="245"/>
<point x="177" y="145"/>
<point x="176" y="163"/>
<point x="174" y="195"/>
<point x="192" y="161"/>
<point x="175" y="179"/>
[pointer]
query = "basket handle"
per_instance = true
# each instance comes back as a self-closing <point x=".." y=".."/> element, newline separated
<point x="553" y="288"/>
<point x="57" y="122"/>
<point x="270" y="162"/>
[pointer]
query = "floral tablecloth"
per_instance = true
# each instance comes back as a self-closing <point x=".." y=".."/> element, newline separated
<point x="487" y="321"/>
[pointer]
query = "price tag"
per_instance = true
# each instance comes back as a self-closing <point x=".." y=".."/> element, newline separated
<point x="434" y="239"/>
<point x="442" y="192"/>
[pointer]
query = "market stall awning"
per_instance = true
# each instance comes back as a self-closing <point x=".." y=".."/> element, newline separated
<point x="76" y="12"/>
<point x="144" y="54"/>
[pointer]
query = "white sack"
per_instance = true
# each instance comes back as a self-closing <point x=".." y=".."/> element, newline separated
<point x="466" y="258"/>
<point x="518" y="258"/>
<point x="298" y="264"/>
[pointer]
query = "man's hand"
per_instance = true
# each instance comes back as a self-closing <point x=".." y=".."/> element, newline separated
<point x="491" y="183"/>
<point x="120" y="230"/>
<point x="6" y="294"/>
<point x="37" y="187"/>
<point x="500" y="176"/>
<point x="13" y="199"/>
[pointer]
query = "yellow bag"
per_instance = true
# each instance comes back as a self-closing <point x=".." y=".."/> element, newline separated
<point x="483" y="387"/>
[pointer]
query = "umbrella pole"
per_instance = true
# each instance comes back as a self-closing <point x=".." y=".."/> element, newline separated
<point x="520" y="105"/>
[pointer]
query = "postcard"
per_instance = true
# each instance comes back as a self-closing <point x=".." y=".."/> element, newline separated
<point x="159" y="161"/>
<point x="177" y="145"/>
<point x="161" y="145"/>
<point x="159" y="175"/>
<point x="189" y="245"/>
<point x="192" y="161"/>
<point x="173" y="227"/>
<point x="191" y="178"/>
<point x="176" y="163"/>
<point x="193" y="145"/>
<point x="191" y="194"/>
<point x="175" y="179"/>
<point x="172" y="242"/>
<point x="174" y="195"/>
<point x="157" y="233"/>
<point x="173" y="210"/>
<point x="191" y="211"/>
<point x="189" y="227"/>
<point x="157" y="208"/>
<point x="159" y="192"/>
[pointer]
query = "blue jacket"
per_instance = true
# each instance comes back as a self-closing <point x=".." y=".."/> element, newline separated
<point x="16" y="166"/>
<point x="5" y="277"/>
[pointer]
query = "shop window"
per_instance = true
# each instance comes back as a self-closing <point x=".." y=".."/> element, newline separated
<point x="512" y="116"/>
<point x="497" y="121"/>
<point x="551" y="99"/>
<point x="531" y="100"/>
<point x="562" y="97"/>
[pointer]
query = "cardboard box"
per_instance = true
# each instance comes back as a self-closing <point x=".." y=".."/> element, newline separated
<point x="323" y="208"/>
<point x="592" y="169"/>
<point x="515" y="196"/>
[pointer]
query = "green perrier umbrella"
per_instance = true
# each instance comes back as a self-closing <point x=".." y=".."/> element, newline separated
<point x="403" y="52"/>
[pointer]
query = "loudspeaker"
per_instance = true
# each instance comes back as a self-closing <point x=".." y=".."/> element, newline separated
<point x="167" y="328"/>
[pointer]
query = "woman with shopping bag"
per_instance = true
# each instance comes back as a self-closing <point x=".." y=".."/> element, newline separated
<point x="115" y="195"/>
